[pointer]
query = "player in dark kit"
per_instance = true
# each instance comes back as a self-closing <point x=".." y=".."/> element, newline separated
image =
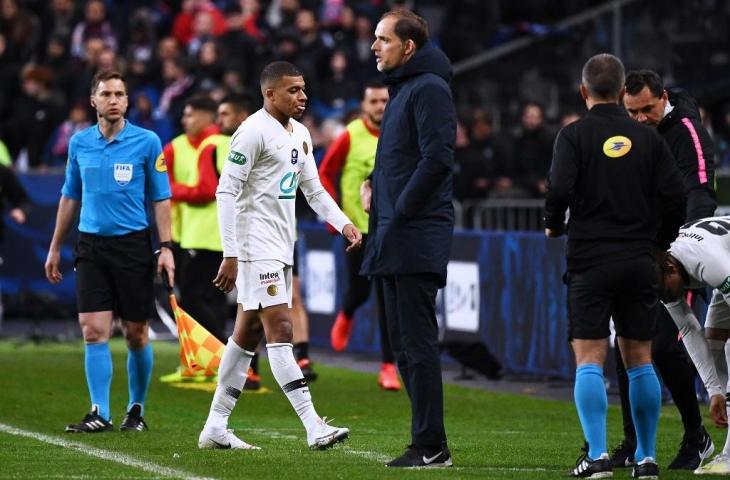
<point x="677" y="119"/>
<point x="617" y="177"/>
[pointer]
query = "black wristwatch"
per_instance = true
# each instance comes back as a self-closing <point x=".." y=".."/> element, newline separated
<point x="167" y="244"/>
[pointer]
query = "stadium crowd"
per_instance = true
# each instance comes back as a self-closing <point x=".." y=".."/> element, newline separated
<point x="170" y="50"/>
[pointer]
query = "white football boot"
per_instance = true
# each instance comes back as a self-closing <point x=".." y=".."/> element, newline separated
<point x="223" y="439"/>
<point x="325" y="436"/>
<point x="720" y="465"/>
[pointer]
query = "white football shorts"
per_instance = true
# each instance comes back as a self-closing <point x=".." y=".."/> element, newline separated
<point x="263" y="283"/>
<point x="718" y="314"/>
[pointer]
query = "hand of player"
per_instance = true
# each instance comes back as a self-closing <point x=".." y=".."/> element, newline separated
<point x="227" y="273"/>
<point x="718" y="412"/>
<point x="53" y="261"/>
<point x="18" y="215"/>
<point x="554" y="233"/>
<point x="167" y="262"/>
<point x="366" y="194"/>
<point x="353" y="235"/>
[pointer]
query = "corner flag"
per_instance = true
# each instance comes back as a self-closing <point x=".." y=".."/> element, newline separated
<point x="199" y="349"/>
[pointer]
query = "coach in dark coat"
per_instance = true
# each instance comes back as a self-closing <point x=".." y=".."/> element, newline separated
<point x="412" y="218"/>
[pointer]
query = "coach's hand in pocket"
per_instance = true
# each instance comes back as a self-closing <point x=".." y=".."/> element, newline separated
<point x="226" y="278"/>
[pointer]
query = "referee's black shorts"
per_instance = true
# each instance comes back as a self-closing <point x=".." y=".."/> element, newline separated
<point x="624" y="290"/>
<point x="116" y="273"/>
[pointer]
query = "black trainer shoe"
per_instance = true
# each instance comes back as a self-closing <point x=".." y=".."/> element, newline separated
<point x="693" y="450"/>
<point x="133" y="421"/>
<point x="423" y="458"/>
<point x="622" y="455"/>
<point x="92" y="423"/>
<point x="586" y="467"/>
<point x="646" y="469"/>
<point x="306" y="366"/>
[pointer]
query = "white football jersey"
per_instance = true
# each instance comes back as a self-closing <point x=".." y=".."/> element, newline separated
<point x="703" y="248"/>
<point x="271" y="162"/>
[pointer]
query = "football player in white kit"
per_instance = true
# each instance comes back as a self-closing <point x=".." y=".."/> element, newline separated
<point x="270" y="157"/>
<point x="700" y="256"/>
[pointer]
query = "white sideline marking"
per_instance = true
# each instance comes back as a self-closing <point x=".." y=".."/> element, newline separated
<point x="510" y="469"/>
<point x="274" y="434"/>
<point x="375" y="456"/>
<point x="158" y="470"/>
<point x="383" y="458"/>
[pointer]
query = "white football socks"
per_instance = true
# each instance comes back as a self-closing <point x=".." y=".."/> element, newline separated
<point x="232" y="374"/>
<point x="289" y="377"/>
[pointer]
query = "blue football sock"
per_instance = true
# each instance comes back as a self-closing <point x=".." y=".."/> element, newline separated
<point x="645" y="397"/>
<point x="592" y="405"/>
<point x="139" y="372"/>
<point x="98" y="367"/>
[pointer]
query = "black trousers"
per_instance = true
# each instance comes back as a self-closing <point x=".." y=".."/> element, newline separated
<point x="199" y="297"/>
<point x="676" y="370"/>
<point x="410" y="305"/>
<point x="357" y="293"/>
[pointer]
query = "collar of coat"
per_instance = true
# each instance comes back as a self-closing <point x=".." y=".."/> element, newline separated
<point x="428" y="59"/>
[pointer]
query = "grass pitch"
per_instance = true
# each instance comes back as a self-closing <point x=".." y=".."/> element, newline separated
<point x="42" y="388"/>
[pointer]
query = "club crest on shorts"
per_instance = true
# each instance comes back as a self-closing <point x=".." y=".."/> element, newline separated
<point x="123" y="173"/>
<point x="617" y="146"/>
<point x="272" y="290"/>
<point x="294" y="156"/>
<point x="305" y="147"/>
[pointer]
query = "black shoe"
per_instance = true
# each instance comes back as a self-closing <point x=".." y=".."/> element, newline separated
<point x="586" y="467"/>
<point x="92" y="423"/>
<point x="133" y="421"/>
<point x="622" y="455"/>
<point x="693" y="450"/>
<point x="423" y="457"/>
<point x="306" y="366"/>
<point x="646" y="470"/>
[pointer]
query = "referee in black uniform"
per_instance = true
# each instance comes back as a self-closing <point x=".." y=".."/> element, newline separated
<point x="617" y="177"/>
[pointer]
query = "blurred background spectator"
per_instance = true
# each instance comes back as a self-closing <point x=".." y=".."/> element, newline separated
<point x="35" y="113"/>
<point x="532" y="150"/>
<point x="94" y="25"/>
<point x="78" y="119"/>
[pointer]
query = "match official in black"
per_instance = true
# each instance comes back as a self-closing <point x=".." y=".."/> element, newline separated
<point x="412" y="219"/>
<point x="617" y="177"/>
<point x="676" y="118"/>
